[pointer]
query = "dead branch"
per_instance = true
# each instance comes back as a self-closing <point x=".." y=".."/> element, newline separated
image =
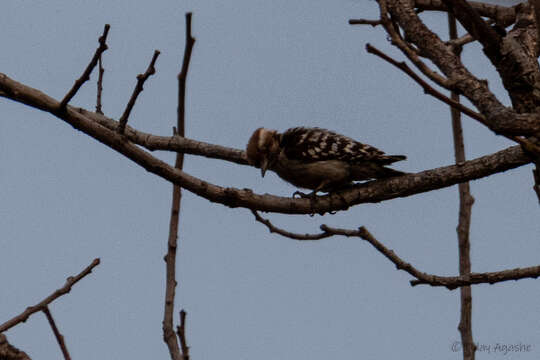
<point x="428" y="89"/>
<point x="504" y="16"/>
<point x="59" y="337"/>
<point x="141" y="78"/>
<point x="412" y="54"/>
<point x="464" y="221"/>
<point x="365" y="22"/>
<point x="72" y="280"/>
<point x="450" y="282"/>
<point x="476" y="26"/>
<point x="99" y="86"/>
<point x="10" y="352"/>
<point x="373" y="191"/>
<point x="496" y="114"/>
<point x="288" y="234"/>
<point x="532" y="272"/>
<point x="169" y="335"/>
<point x="86" y="74"/>
<point x="181" y="332"/>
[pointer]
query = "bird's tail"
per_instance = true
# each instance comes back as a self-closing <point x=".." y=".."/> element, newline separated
<point x="389" y="159"/>
<point x="385" y="172"/>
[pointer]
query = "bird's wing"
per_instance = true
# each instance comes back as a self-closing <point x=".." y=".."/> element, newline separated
<point x="315" y="144"/>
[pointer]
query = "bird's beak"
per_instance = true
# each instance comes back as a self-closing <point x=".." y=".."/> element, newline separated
<point x="264" y="167"/>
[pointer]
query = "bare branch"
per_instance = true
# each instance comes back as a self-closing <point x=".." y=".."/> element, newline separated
<point x="365" y="22"/>
<point x="288" y="234"/>
<point x="170" y="258"/>
<point x="100" y="86"/>
<point x="427" y="88"/>
<point x="465" y="204"/>
<point x="10" y="352"/>
<point x="72" y="280"/>
<point x="86" y="74"/>
<point x="412" y="54"/>
<point x="476" y="26"/>
<point x="504" y="16"/>
<point x="373" y="191"/>
<point x="181" y="332"/>
<point x="171" y="143"/>
<point x="457" y="44"/>
<point x="501" y="120"/>
<point x="141" y="78"/>
<point x="450" y="282"/>
<point x="480" y="278"/>
<point x="59" y="337"/>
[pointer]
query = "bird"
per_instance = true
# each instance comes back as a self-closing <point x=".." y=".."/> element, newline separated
<point x="318" y="159"/>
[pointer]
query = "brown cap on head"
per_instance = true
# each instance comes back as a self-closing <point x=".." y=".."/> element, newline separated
<point x="252" y="148"/>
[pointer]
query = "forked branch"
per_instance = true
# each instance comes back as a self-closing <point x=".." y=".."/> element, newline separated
<point x="86" y="74"/>
<point x="72" y="280"/>
<point x="450" y="282"/>
<point x="169" y="335"/>
<point x="141" y="78"/>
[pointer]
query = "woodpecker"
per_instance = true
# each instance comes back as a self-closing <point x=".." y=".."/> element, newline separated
<point x="318" y="159"/>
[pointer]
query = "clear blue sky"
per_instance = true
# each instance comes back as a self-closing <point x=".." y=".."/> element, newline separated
<point x="66" y="198"/>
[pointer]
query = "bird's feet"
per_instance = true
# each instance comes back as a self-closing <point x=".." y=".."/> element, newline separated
<point x="312" y="196"/>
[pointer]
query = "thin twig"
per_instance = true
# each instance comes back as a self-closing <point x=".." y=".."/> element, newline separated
<point x="372" y="191"/>
<point x="475" y="25"/>
<point x="458" y="43"/>
<point x="141" y="78"/>
<point x="450" y="282"/>
<point x="100" y="86"/>
<point x="181" y="332"/>
<point x="169" y="335"/>
<point x="464" y="221"/>
<point x="365" y="22"/>
<point x="86" y="74"/>
<point x="72" y="280"/>
<point x="412" y="54"/>
<point x="59" y="337"/>
<point x="288" y="234"/>
<point x="428" y="89"/>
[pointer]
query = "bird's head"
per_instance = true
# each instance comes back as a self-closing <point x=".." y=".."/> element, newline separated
<point x="263" y="149"/>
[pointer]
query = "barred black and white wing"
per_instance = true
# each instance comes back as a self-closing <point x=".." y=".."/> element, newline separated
<point x="316" y="144"/>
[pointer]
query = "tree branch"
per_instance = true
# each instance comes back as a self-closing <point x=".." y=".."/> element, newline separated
<point x="181" y="332"/>
<point x="428" y="89"/>
<point x="365" y="22"/>
<point x="141" y="78"/>
<point x="288" y="234"/>
<point x="450" y="282"/>
<point x="99" y="86"/>
<point x="373" y="191"/>
<point x="86" y="74"/>
<point x="10" y="352"/>
<point x="504" y="16"/>
<point x="169" y="335"/>
<point x="476" y="26"/>
<point x="464" y="222"/>
<point x="536" y="7"/>
<point x="412" y="54"/>
<point x="500" y="119"/>
<point x="59" y="337"/>
<point x="49" y="299"/>
<point x="480" y="278"/>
